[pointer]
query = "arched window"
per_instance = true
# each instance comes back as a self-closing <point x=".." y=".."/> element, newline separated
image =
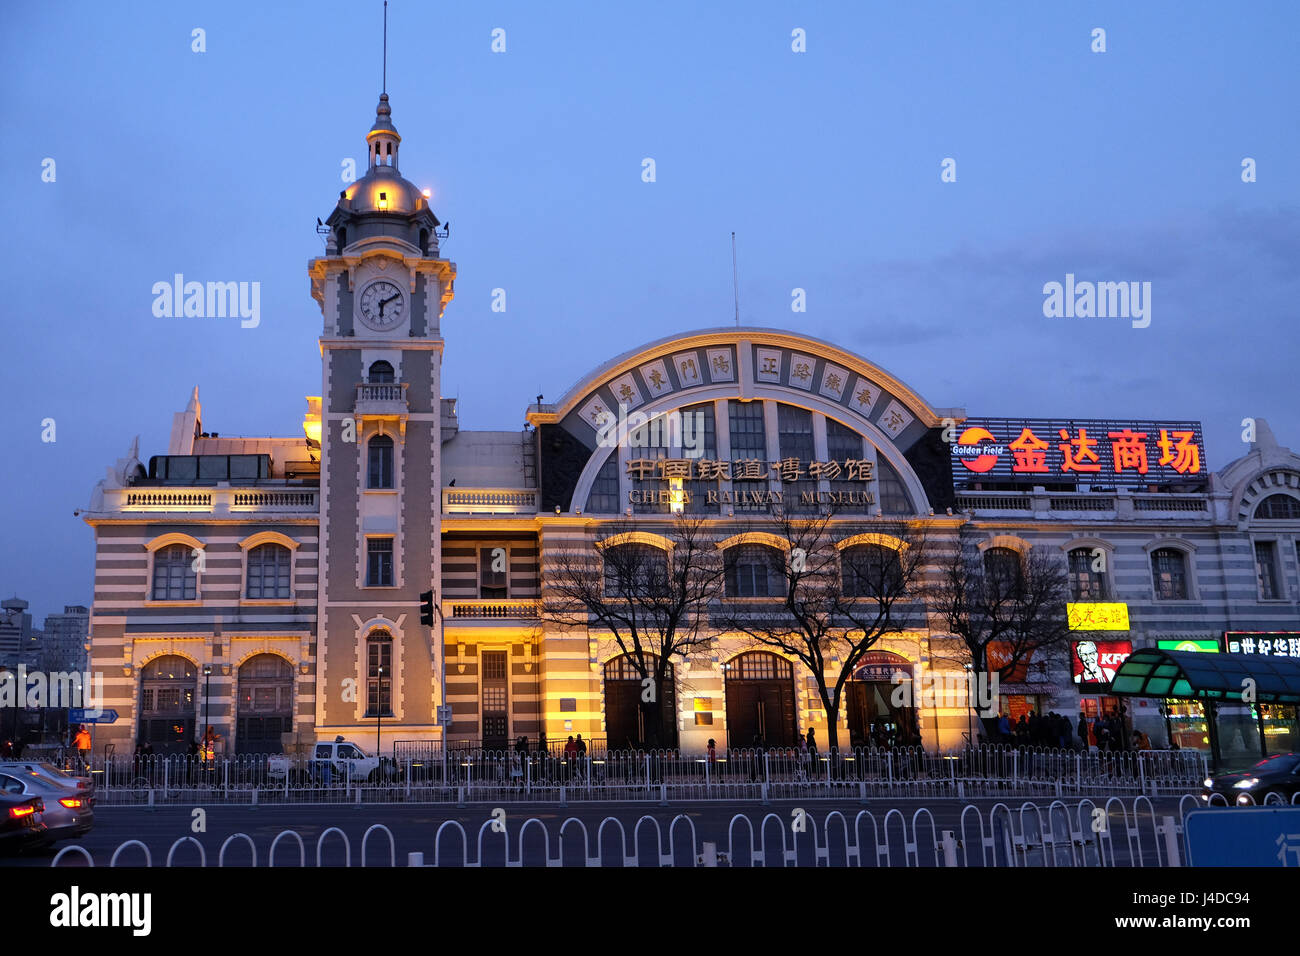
<point x="268" y="572"/>
<point x="379" y="674"/>
<point x="635" y="571"/>
<point x="380" y="459"/>
<point x="871" y="571"/>
<point x="604" y="499"/>
<point x="265" y="704"/>
<point x="754" y="570"/>
<point x="174" y="575"/>
<point x="381" y="373"/>
<point x="893" y="494"/>
<point x="168" y="687"/>
<point x="1278" y="508"/>
<point x="1169" y="568"/>
<point x="1003" y="573"/>
<point x="1087" y="574"/>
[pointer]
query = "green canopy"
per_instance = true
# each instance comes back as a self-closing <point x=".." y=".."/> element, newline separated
<point x="1197" y="675"/>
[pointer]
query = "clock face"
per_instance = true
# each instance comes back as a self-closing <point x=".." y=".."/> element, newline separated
<point x="383" y="306"/>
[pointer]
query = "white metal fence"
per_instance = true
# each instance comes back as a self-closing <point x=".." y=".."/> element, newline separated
<point x="775" y="774"/>
<point x="1084" y="833"/>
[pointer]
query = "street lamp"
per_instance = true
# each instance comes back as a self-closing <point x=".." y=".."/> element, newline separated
<point x="207" y="697"/>
<point x="379" y="715"/>
<point x="970" y="726"/>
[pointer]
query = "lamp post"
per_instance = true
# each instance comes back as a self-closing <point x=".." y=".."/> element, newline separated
<point x="207" y="711"/>
<point x="970" y="726"/>
<point x="379" y="716"/>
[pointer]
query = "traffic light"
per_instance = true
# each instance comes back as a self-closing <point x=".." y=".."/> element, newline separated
<point x="426" y="609"/>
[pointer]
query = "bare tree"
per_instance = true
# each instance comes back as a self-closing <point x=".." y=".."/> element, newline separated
<point x="1013" y="600"/>
<point x="834" y="604"/>
<point x="652" y="601"/>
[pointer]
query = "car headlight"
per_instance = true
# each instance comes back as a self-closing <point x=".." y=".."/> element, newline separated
<point x="1245" y="784"/>
<point x="1209" y="783"/>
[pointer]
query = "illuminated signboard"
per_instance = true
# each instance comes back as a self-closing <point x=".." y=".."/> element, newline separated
<point x="1094" y="662"/>
<point x="1263" y="643"/>
<point x="1076" y="449"/>
<point x="1210" y="647"/>
<point x="1097" y="617"/>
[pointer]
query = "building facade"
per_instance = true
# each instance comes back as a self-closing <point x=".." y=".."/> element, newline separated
<point x="271" y="587"/>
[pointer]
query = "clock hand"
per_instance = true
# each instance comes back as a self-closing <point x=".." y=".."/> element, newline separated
<point x="384" y="302"/>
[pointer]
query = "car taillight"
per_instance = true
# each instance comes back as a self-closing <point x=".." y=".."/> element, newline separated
<point x="17" y="813"/>
<point x="71" y="802"/>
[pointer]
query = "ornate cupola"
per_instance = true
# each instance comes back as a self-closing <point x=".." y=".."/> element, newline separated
<point x="382" y="205"/>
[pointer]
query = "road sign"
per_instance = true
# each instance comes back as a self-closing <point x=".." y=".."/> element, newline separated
<point x="80" y="715"/>
<point x="444" y="714"/>
<point x="1243" y="836"/>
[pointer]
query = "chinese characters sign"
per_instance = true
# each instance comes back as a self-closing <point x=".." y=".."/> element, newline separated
<point x="1040" y="449"/>
<point x="1263" y="643"/>
<point x="677" y="471"/>
<point x="1097" y="617"/>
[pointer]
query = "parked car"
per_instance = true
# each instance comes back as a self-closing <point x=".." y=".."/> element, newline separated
<point x="48" y="771"/>
<point x="336" y="762"/>
<point x="68" y="812"/>
<point x="22" y="826"/>
<point x="1278" y="774"/>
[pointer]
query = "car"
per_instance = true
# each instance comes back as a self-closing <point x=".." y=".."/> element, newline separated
<point x="49" y="772"/>
<point x="68" y="812"/>
<point x="1278" y="774"/>
<point x="22" y="824"/>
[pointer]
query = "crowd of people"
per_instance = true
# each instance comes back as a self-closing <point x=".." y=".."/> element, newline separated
<point x="1107" y="731"/>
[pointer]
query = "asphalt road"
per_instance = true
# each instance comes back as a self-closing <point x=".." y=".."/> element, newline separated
<point x="414" y="829"/>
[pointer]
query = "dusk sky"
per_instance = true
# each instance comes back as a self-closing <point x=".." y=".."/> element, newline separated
<point x="1117" y="166"/>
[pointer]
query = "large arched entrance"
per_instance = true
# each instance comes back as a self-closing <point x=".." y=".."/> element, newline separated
<point x="874" y="719"/>
<point x="168" y="689"/>
<point x="265" y="704"/>
<point x="760" y="701"/>
<point x="625" y="718"/>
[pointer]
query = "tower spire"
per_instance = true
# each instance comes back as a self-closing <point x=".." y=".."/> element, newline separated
<point x="384" y="78"/>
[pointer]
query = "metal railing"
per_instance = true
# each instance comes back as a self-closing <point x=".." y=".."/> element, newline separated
<point x="1085" y="833"/>
<point x="474" y="776"/>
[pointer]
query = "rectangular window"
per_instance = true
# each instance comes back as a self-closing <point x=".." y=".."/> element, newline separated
<point x="1266" y="570"/>
<point x="795" y="434"/>
<point x="748" y="443"/>
<point x="604" y="499"/>
<point x="699" y="420"/>
<point x="379" y="562"/>
<point x="493" y="567"/>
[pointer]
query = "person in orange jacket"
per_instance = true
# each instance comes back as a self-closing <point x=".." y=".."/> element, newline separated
<point x="81" y="743"/>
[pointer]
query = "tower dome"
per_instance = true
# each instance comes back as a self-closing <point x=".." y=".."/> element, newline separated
<point x="383" y="202"/>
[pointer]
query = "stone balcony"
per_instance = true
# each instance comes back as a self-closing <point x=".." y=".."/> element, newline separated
<point x="491" y="609"/>
<point x="214" y="501"/>
<point x="489" y="501"/>
<point x="383" y="401"/>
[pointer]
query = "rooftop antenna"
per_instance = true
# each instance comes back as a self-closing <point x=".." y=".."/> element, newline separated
<point x="385" y="76"/>
<point x="735" y="277"/>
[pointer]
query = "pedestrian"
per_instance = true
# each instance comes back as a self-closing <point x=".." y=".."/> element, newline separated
<point x="570" y="754"/>
<point x="1004" y="728"/>
<point x="81" y="743"/>
<point x="812" y="742"/>
<point x="6" y="750"/>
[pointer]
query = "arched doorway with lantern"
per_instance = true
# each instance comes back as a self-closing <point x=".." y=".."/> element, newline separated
<point x="875" y="720"/>
<point x="265" y="704"/>
<point x="168" y="692"/>
<point x="759" y="688"/>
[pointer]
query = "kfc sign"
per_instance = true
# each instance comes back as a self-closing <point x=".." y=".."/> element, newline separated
<point x="1095" y="662"/>
<point x="1041" y="449"/>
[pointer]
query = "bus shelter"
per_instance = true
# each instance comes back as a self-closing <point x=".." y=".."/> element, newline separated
<point x="1250" y="702"/>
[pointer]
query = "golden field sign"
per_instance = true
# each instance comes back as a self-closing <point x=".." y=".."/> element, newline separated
<point x="1097" y="617"/>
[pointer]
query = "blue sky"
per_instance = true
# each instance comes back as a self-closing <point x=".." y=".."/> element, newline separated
<point x="1123" y="165"/>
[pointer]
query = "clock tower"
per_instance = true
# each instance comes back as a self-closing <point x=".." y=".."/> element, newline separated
<point x="382" y="286"/>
